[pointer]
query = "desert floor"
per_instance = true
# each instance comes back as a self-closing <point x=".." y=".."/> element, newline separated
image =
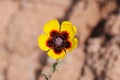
<point x="97" y="56"/>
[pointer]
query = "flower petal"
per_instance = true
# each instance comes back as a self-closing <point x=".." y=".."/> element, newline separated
<point x="53" y="55"/>
<point x="42" y="39"/>
<point x="51" y="25"/>
<point x="74" y="43"/>
<point x="67" y="26"/>
<point x="74" y="27"/>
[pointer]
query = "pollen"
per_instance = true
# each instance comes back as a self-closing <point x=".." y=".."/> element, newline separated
<point x="58" y="41"/>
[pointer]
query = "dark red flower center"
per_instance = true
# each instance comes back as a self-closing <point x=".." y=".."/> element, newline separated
<point x="58" y="41"/>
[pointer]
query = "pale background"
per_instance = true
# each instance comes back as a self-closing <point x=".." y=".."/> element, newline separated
<point x="97" y="57"/>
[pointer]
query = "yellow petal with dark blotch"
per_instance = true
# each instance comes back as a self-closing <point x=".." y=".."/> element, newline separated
<point x="42" y="39"/>
<point x="68" y="27"/>
<point x="51" y="25"/>
<point x="54" y="55"/>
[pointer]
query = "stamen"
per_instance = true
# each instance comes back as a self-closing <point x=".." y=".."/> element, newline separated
<point x="58" y="41"/>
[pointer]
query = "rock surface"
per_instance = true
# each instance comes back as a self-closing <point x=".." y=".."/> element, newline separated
<point x="97" y="56"/>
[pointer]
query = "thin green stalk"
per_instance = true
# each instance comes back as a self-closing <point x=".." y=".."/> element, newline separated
<point x="55" y="66"/>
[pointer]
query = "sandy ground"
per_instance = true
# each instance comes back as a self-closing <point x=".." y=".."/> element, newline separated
<point x="97" y="56"/>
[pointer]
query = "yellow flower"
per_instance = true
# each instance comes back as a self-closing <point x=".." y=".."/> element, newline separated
<point x="57" y="39"/>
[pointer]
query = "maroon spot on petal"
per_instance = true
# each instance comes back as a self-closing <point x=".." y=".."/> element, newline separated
<point x="57" y="50"/>
<point x="67" y="44"/>
<point x="49" y="43"/>
<point x="54" y="33"/>
<point x="64" y="35"/>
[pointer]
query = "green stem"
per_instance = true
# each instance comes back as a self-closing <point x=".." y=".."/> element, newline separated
<point x="56" y="65"/>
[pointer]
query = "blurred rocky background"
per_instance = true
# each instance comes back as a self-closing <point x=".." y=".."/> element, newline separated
<point x="97" y="57"/>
